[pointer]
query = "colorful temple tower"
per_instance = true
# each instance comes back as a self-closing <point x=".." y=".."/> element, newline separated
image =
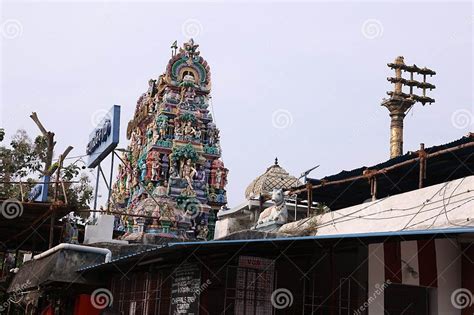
<point x="172" y="178"/>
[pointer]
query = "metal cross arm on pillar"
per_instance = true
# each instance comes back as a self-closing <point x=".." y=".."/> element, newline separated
<point x="400" y="101"/>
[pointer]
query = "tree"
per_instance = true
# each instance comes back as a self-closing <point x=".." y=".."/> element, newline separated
<point x="24" y="161"/>
<point x="19" y="162"/>
<point x="78" y="194"/>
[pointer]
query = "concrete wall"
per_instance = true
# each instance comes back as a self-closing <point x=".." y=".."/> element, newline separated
<point x="446" y="262"/>
<point x="450" y="204"/>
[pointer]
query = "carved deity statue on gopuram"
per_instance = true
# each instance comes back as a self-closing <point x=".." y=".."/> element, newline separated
<point x="172" y="180"/>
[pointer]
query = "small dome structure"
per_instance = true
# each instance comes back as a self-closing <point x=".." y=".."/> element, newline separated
<point x="275" y="177"/>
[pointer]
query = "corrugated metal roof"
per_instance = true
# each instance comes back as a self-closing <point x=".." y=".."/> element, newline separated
<point x="393" y="161"/>
<point x="448" y="231"/>
<point x="444" y="163"/>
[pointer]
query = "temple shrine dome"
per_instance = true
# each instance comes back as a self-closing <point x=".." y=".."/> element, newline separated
<point x="275" y="177"/>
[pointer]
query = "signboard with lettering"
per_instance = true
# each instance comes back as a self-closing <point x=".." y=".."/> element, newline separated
<point x="254" y="285"/>
<point x="39" y="192"/>
<point x="185" y="290"/>
<point x="104" y="138"/>
<point x="256" y="263"/>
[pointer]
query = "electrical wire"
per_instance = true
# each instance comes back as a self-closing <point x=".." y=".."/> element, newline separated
<point x="406" y="209"/>
<point x="445" y="210"/>
<point x="351" y="215"/>
<point x="444" y="195"/>
<point x="437" y="192"/>
<point x="71" y="157"/>
<point x="418" y="223"/>
<point x="467" y="200"/>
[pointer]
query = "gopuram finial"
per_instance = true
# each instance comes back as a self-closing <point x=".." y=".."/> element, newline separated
<point x="174" y="47"/>
<point x="190" y="49"/>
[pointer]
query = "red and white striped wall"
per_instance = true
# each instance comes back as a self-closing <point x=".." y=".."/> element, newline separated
<point x="435" y="264"/>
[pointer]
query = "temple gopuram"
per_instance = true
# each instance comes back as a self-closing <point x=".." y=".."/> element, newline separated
<point x="172" y="181"/>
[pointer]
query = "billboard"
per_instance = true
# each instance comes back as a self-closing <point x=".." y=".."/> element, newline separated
<point x="39" y="192"/>
<point x="105" y="137"/>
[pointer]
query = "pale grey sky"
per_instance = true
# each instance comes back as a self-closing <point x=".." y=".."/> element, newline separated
<point x="320" y="65"/>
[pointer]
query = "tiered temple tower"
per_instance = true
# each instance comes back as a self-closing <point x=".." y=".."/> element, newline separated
<point x="173" y="176"/>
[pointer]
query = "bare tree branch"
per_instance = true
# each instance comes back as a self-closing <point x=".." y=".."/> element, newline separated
<point x="49" y="136"/>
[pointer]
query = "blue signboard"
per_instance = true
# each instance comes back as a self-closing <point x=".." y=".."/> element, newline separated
<point x="40" y="191"/>
<point x="105" y="137"/>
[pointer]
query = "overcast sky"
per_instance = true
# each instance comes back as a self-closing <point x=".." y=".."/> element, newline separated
<point x="299" y="81"/>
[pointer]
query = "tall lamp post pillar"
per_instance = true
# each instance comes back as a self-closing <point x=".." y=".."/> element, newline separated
<point x="396" y="133"/>
<point x="397" y="109"/>
<point x="400" y="103"/>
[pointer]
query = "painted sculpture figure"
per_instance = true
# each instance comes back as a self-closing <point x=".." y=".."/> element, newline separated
<point x="188" y="172"/>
